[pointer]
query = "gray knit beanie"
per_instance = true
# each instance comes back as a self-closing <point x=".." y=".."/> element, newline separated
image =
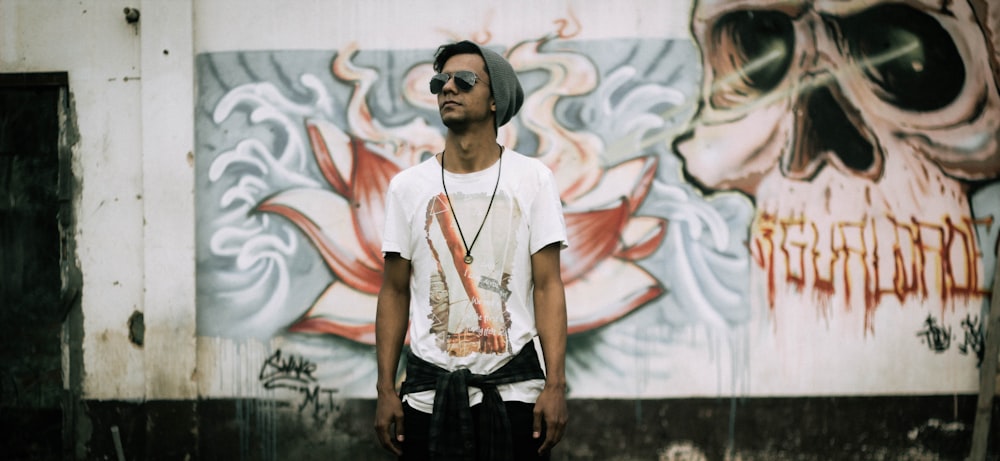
<point x="507" y="92"/>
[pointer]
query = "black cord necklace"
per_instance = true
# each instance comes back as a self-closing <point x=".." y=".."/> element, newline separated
<point x="468" y="248"/>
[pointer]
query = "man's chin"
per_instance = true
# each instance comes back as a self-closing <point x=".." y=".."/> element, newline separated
<point x="454" y="123"/>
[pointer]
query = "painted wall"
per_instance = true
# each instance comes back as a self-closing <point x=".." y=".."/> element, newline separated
<point x="760" y="201"/>
<point x="131" y="135"/>
<point x="784" y="260"/>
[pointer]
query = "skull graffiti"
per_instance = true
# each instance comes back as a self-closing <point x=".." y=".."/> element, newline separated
<point x="859" y="130"/>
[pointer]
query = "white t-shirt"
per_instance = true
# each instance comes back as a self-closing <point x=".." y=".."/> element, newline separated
<point x="478" y="315"/>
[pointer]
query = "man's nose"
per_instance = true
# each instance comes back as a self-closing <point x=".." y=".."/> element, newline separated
<point x="450" y="85"/>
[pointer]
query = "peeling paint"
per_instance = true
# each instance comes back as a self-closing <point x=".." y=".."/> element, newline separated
<point x="136" y="328"/>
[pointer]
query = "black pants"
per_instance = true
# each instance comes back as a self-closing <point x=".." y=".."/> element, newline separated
<point x="417" y="426"/>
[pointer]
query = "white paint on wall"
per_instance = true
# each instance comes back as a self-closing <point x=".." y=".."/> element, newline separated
<point x="805" y="351"/>
<point x="388" y="24"/>
<point x="133" y="114"/>
<point x="100" y="51"/>
<point x="168" y="199"/>
<point x="133" y="106"/>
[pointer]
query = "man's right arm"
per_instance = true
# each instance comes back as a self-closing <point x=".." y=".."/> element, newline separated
<point x="391" y="321"/>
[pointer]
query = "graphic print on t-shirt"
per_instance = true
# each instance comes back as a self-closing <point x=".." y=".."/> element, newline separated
<point x="468" y="301"/>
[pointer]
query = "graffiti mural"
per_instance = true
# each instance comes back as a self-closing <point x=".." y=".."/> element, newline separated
<point x="860" y="131"/>
<point x="783" y="174"/>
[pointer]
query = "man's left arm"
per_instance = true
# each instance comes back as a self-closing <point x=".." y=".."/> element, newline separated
<point x="550" y="320"/>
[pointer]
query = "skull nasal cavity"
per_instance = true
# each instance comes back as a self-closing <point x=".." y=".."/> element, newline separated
<point x="824" y="129"/>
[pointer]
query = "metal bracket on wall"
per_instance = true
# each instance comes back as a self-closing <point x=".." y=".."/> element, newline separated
<point x="131" y="15"/>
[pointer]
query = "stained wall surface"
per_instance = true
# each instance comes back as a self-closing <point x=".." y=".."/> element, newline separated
<point x="762" y="203"/>
<point x="757" y="205"/>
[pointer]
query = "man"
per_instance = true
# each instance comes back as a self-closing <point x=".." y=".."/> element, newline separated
<point x="471" y="245"/>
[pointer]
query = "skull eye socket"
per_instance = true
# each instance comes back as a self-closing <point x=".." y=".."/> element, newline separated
<point x="908" y="54"/>
<point x="751" y="52"/>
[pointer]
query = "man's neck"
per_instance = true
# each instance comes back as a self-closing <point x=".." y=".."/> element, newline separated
<point x="468" y="154"/>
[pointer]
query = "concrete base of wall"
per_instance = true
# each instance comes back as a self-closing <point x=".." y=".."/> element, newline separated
<point x="31" y="433"/>
<point x="829" y="428"/>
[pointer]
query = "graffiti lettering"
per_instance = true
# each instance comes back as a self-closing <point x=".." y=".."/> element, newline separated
<point x="296" y="373"/>
<point x="867" y="260"/>
<point x="974" y="338"/>
<point x="936" y="337"/>
<point x="281" y="372"/>
<point x="321" y="400"/>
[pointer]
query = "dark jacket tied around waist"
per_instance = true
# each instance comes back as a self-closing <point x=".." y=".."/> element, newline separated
<point x="451" y="431"/>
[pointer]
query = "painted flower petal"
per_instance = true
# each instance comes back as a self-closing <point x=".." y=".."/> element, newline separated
<point x="600" y="231"/>
<point x="631" y="179"/>
<point x="331" y="148"/>
<point x="595" y="237"/>
<point x="368" y="193"/>
<point x="590" y="304"/>
<point x="641" y="237"/>
<point x="358" y="174"/>
<point x="343" y="311"/>
<point x="326" y="219"/>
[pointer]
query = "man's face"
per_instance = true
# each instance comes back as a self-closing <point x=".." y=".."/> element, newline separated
<point x="460" y="108"/>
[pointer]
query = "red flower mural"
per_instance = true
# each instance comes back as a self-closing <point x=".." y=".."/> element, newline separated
<point x="603" y="281"/>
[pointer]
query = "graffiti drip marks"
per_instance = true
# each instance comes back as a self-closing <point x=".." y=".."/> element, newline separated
<point x="866" y="260"/>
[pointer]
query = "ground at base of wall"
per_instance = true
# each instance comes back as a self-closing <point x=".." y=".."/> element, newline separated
<point x="769" y="429"/>
<point x="28" y="433"/>
<point x="775" y="429"/>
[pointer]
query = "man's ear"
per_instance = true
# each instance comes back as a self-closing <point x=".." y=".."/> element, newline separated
<point x="493" y="104"/>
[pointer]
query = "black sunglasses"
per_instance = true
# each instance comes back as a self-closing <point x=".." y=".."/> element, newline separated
<point x="464" y="79"/>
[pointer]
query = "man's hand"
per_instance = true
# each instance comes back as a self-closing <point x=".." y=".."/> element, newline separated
<point x="389" y="422"/>
<point x="550" y="409"/>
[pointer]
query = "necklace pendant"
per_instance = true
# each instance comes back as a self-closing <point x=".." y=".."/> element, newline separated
<point x="468" y="259"/>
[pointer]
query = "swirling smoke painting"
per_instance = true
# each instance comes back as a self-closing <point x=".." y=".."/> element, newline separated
<point x="784" y="202"/>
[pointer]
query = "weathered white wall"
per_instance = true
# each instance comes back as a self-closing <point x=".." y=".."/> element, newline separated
<point x="388" y="24"/>
<point x="132" y="95"/>
<point x="131" y="98"/>
<point x="131" y="90"/>
<point x="168" y="188"/>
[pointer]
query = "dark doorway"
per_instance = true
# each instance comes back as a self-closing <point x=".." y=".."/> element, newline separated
<point x="31" y="312"/>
